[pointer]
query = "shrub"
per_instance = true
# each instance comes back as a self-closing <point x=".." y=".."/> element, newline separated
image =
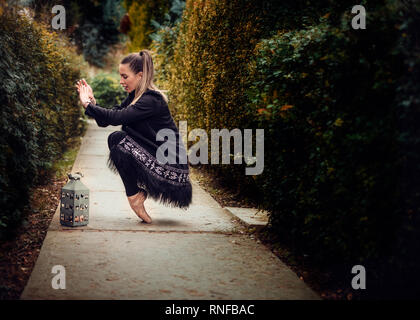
<point x="107" y="90"/>
<point x="39" y="113"/>
<point x="141" y="16"/>
<point x="326" y="97"/>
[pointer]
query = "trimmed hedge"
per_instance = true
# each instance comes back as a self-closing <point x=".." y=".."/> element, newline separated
<point x="326" y="97"/>
<point x="39" y="113"/>
<point x="330" y="99"/>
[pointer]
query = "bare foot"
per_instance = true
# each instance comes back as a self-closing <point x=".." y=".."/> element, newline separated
<point x="137" y="204"/>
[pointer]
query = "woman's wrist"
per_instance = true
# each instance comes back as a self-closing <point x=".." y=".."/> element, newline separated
<point x="86" y="103"/>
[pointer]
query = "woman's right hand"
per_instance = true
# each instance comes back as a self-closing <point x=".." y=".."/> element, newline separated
<point x="89" y="89"/>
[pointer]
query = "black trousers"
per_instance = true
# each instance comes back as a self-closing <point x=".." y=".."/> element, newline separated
<point x="125" y="168"/>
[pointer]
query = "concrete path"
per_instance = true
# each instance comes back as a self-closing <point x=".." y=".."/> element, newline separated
<point x="184" y="254"/>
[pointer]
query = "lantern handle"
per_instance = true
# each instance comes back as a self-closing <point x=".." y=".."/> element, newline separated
<point x="75" y="176"/>
<point x="81" y="174"/>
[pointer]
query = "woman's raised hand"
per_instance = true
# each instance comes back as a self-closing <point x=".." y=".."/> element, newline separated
<point x="83" y="83"/>
<point x="83" y="95"/>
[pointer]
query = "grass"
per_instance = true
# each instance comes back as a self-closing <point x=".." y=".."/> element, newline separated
<point x="64" y="165"/>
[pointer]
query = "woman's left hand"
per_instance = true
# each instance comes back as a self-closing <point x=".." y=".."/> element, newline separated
<point x="83" y="95"/>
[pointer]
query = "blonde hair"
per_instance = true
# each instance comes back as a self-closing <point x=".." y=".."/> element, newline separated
<point x="143" y="62"/>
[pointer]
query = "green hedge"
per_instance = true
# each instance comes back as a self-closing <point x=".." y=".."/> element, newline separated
<point x="40" y="111"/>
<point x="208" y="71"/>
<point x="405" y="258"/>
<point x="328" y="98"/>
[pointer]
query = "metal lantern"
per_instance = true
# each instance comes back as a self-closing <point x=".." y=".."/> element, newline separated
<point x="74" y="207"/>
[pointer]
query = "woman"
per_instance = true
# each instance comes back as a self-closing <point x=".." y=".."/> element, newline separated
<point x="133" y="150"/>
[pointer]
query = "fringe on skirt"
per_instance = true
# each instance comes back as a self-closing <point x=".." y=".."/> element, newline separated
<point x="164" y="183"/>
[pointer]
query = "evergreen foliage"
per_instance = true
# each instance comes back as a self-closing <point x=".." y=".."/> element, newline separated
<point x="40" y="113"/>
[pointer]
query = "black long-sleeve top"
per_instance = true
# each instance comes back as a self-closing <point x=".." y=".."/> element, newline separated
<point x="141" y="121"/>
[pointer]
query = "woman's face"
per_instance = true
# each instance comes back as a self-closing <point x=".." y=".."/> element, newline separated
<point x="128" y="80"/>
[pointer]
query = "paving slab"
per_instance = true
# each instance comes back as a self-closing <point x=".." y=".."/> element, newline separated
<point x="100" y="179"/>
<point x="86" y="161"/>
<point x="92" y="148"/>
<point x="196" y="253"/>
<point x="98" y="132"/>
<point x="116" y="214"/>
<point x="148" y="266"/>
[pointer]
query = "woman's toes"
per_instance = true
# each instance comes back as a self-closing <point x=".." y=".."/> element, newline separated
<point x="136" y="203"/>
<point x="144" y="216"/>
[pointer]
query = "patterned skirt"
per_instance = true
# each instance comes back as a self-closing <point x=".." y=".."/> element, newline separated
<point x="168" y="184"/>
